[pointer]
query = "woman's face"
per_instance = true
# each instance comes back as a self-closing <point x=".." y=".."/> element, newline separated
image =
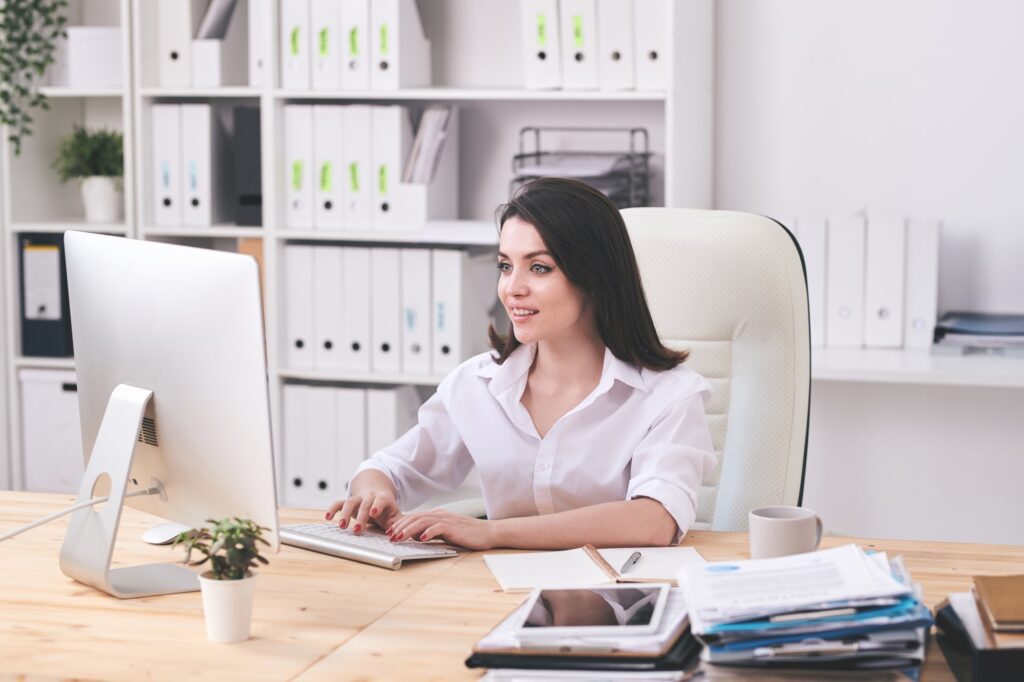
<point x="541" y="302"/>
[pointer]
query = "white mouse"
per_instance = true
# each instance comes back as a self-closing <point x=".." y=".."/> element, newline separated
<point x="164" y="534"/>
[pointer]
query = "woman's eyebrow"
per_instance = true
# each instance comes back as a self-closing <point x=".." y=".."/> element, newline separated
<point x="532" y="254"/>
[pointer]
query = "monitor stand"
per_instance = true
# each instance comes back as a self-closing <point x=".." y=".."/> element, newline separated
<point x="89" y="541"/>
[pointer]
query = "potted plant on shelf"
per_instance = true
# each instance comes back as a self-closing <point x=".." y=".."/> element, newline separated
<point x="230" y="545"/>
<point x="95" y="157"/>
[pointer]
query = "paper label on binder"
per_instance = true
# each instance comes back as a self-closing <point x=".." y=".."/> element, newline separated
<point x="384" y="39"/>
<point x="42" y="283"/>
<point x="325" y="177"/>
<point x="296" y="175"/>
<point x="294" y="41"/>
<point x="542" y="30"/>
<point x="353" y="42"/>
<point x="382" y="179"/>
<point x="577" y="30"/>
<point x="325" y="44"/>
<point x="353" y="176"/>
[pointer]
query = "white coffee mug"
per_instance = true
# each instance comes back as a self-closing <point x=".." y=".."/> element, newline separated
<point x="780" y="531"/>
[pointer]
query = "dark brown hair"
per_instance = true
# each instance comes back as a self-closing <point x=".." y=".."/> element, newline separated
<point x="587" y="238"/>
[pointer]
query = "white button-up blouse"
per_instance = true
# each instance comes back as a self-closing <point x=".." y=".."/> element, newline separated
<point x="638" y="433"/>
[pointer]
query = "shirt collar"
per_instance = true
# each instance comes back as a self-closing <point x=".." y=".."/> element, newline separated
<point x="517" y="365"/>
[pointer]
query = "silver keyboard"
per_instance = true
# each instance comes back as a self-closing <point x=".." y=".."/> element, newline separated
<point x="370" y="547"/>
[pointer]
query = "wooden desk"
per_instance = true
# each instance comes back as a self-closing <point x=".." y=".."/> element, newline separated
<point x="315" y="617"/>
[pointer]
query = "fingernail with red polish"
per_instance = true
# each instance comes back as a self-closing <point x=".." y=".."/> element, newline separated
<point x="356" y="528"/>
<point x="327" y="516"/>
<point x="344" y="523"/>
<point x="373" y="512"/>
<point x="423" y="537"/>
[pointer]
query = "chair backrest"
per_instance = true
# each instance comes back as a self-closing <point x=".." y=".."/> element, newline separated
<point x="731" y="288"/>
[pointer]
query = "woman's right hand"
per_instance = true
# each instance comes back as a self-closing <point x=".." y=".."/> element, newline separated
<point x="372" y="499"/>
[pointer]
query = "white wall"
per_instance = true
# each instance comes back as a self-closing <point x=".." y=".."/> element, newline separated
<point x="907" y="107"/>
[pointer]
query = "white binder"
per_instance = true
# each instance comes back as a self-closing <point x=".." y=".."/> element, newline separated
<point x="883" y="282"/>
<point x="299" y="171"/>
<point x="166" y="173"/>
<point x="616" y="65"/>
<point x="392" y="139"/>
<point x="295" y="470"/>
<point x="464" y="288"/>
<point x="578" y="22"/>
<point x="328" y="168"/>
<point x="416" y="318"/>
<point x="813" y="243"/>
<point x="844" y="325"/>
<point x="390" y="412"/>
<point x="542" y="44"/>
<point x="356" y="306"/>
<point x="204" y="152"/>
<point x="399" y="51"/>
<point x="355" y="49"/>
<point x="386" y="310"/>
<point x="328" y="309"/>
<point x="358" y="138"/>
<point x="325" y="33"/>
<point x="922" y="282"/>
<point x="650" y="22"/>
<point x="259" y="43"/>
<point x="323" y="484"/>
<point x="177" y="22"/>
<point x="295" y="44"/>
<point x="299" y="298"/>
<point x="51" y="434"/>
<point x="350" y="428"/>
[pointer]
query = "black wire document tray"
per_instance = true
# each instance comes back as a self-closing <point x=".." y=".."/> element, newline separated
<point x="622" y="175"/>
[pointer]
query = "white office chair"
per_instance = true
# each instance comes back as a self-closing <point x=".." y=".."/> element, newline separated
<point x="731" y="288"/>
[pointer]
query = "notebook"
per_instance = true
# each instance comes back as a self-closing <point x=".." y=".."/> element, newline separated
<point x="1001" y="601"/>
<point x="587" y="566"/>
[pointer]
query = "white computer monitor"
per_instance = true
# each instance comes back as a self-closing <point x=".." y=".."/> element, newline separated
<point x="172" y="388"/>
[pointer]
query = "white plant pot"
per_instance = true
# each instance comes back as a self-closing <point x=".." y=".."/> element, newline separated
<point x="102" y="198"/>
<point x="227" y="605"/>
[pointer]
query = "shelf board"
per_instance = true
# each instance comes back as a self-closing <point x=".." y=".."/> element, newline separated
<point x="71" y="224"/>
<point x="478" y="95"/>
<point x="360" y="377"/>
<point x="457" y="232"/>
<point x="63" y="91"/>
<point x="211" y="232"/>
<point x="224" y="91"/>
<point x="22" y="362"/>
<point x="902" y="366"/>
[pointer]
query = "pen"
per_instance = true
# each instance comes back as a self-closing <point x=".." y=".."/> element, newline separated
<point x="630" y="562"/>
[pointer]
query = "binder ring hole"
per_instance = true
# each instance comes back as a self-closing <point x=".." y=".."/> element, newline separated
<point x="195" y="202"/>
<point x="174" y="55"/>
<point x="542" y="55"/>
<point x="166" y="201"/>
<point x="653" y="55"/>
<point x="883" y="313"/>
<point x="297" y="482"/>
<point x="299" y="343"/>
<point x="328" y="205"/>
<point x="328" y="345"/>
<point x="616" y="56"/>
<point x="416" y="348"/>
<point x="385" y="207"/>
<point x="445" y="349"/>
<point x="356" y="346"/>
<point x="579" y="56"/>
<point x="384" y="66"/>
<point x="353" y="65"/>
<point x="322" y="485"/>
<point x="385" y="347"/>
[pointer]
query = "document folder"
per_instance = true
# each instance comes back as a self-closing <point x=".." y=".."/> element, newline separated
<point x="542" y="45"/>
<point x="386" y="310"/>
<point x="883" y="282"/>
<point x="177" y="23"/>
<point x="357" y="141"/>
<point x="844" y="325"/>
<point x="355" y="49"/>
<point x="166" y="174"/>
<point x="299" y="306"/>
<point x="416" y="318"/>
<point x="295" y="44"/>
<point x="45" y="311"/>
<point x="247" y="147"/>
<point x="350" y="424"/>
<point x="651" y="22"/>
<point x="328" y="167"/>
<point x="355" y="351"/>
<point x="298" y="151"/>
<point x="328" y="307"/>
<point x="392" y="140"/>
<point x="259" y="42"/>
<point x="922" y="282"/>
<point x="399" y="52"/>
<point x="325" y="20"/>
<point x="578" y="19"/>
<point x="616" y="66"/>
<point x="464" y="287"/>
<point x="204" y="153"/>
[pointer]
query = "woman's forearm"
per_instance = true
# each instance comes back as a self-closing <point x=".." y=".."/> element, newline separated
<point x="373" y="480"/>
<point x="642" y="522"/>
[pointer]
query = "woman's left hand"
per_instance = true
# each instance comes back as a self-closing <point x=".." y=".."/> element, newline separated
<point x="455" y="529"/>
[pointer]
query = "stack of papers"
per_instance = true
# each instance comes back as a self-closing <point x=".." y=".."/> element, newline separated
<point x="839" y="608"/>
<point x="981" y="331"/>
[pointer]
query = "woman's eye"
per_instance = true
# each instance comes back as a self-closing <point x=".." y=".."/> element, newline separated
<point x="537" y="267"/>
<point x="504" y="267"/>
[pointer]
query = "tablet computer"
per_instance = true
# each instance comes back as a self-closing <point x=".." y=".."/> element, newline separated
<point x="609" y="611"/>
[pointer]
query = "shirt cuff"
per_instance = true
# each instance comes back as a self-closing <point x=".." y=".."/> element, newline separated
<point x="676" y="501"/>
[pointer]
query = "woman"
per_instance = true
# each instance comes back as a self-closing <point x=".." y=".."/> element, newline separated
<point x="583" y="427"/>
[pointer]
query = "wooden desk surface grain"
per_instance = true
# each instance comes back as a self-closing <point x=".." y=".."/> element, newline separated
<point x="315" y="617"/>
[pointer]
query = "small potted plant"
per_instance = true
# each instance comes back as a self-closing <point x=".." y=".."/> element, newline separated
<point x="96" y="158"/>
<point x="230" y="545"/>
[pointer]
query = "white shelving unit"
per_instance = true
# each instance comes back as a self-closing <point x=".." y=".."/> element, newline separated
<point x="483" y="77"/>
<point x="915" y="367"/>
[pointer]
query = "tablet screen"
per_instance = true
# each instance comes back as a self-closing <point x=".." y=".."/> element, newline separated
<point x="593" y="607"/>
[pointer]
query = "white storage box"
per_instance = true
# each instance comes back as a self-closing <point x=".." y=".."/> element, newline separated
<point x="51" y="435"/>
<point x="89" y="58"/>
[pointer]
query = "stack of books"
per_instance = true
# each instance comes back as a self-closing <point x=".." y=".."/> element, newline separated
<point x="837" y="609"/>
<point x="965" y="333"/>
<point x="982" y="632"/>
